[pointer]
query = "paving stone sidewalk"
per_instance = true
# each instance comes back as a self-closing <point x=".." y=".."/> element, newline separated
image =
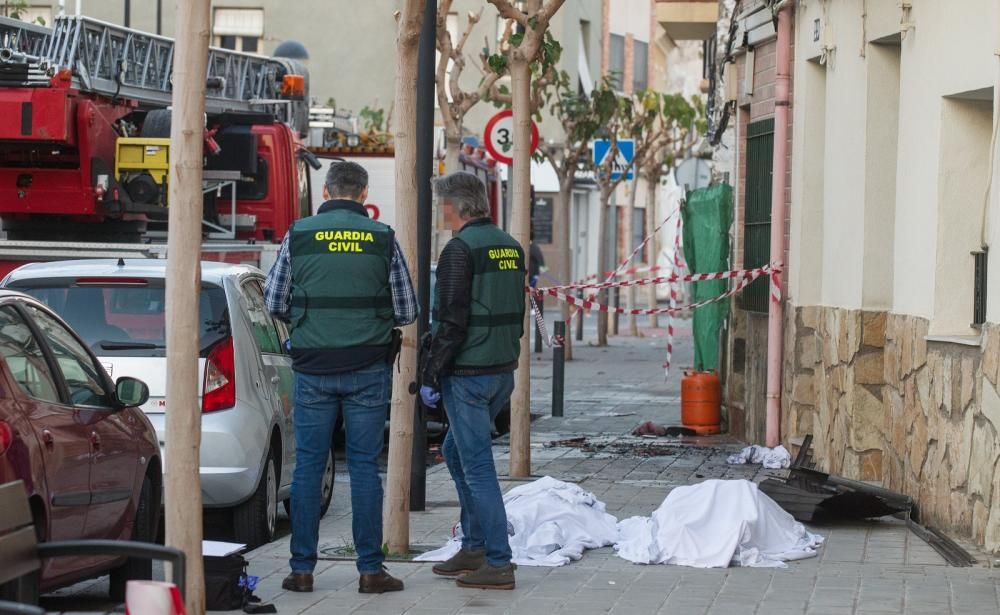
<point x="876" y="567"/>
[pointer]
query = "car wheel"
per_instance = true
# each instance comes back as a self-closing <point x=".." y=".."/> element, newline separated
<point x="143" y="530"/>
<point x="326" y="492"/>
<point x="254" y="520"/>
<point x="326" y="486"/>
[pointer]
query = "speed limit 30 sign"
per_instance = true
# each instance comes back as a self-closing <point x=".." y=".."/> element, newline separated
<point x="499" y="136"/>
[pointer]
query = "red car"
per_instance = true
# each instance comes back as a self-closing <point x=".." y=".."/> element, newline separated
<point x="88" y="456"/>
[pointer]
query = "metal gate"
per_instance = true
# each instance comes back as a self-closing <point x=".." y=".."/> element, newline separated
<point x="757" y="208"/>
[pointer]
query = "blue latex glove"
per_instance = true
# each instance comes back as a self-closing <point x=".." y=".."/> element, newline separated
<point x="430" y="396"/>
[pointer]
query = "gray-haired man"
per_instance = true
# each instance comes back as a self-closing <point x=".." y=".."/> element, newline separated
<point x="478" y="322"/>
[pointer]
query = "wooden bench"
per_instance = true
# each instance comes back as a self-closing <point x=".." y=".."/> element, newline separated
<point x="23" y="554"/>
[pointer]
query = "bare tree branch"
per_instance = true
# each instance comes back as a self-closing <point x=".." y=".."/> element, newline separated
<point x="473" y="19"/>
<point x="507" y="10"/>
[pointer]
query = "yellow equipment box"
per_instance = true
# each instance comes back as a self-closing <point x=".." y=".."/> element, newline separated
<point x="141" y="166"/>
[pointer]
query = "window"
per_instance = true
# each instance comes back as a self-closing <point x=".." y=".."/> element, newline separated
<point x="239" y="29"/>
<point x="616" y="59"/>
<point x="979" y="288"/>
<point x="541" y="220"/>
<point x="24" y="357"/>
<point x="963" y="169"/>
<point x="583" y="60"/>
<point x="305" y="191"/>
<point x="129" y="321"/>
<point x="261" y="322"/>
<point x="757" y="206"/>
<point x="638" y="227"/>
<point x="640" y="70"/>
<point x="84" y="378"/>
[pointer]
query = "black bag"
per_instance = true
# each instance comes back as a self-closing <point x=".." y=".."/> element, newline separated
<point x="223" y="590"/>
<point x="228" y="587"/>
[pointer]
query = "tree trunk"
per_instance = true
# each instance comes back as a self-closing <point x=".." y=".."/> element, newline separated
<point x="564" y="206"/>
<point x="653" y="247"/>
<point x="602" y="258"/>
<point x="452" y="150"/>
<point x="187" y="138"/>
<point x="520" y="415"/>
<point x="633" y="326"/>
<point x="397" y="501"/>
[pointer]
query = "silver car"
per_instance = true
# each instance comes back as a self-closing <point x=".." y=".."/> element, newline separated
<point x="246" y="379"/>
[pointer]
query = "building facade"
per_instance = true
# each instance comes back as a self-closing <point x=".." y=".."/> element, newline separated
<point x="750" y="91"/>
<point x="891" y="335"/>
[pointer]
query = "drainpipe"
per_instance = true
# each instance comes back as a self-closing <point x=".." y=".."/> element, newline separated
<point x="775" y="316"/>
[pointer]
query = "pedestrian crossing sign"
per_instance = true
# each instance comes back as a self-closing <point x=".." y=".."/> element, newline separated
<point x="623" y="159"/>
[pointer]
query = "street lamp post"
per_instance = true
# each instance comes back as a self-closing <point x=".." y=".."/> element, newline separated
<point x="425" y="170"/>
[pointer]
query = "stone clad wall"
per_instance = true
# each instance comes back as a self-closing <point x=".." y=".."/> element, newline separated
<point x="885" y="404"/>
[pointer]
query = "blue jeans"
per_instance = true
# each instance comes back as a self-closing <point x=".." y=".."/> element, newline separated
<point x="472" y="404"/>
<point x="363" y="397"/>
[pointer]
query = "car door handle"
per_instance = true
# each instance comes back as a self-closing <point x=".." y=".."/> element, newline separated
<point x="95" y="440"/>
<point x="48" y="440"/>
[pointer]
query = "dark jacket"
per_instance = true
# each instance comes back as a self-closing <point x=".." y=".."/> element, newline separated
<point x="333" y="360"/>
<point x="454" y="300"/>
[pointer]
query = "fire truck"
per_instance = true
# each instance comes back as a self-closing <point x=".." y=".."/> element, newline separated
<point x="84" y="145"/>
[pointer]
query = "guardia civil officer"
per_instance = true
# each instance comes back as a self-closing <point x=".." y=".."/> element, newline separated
<point x="478" y="322"/>
<point x="342" y="285"/>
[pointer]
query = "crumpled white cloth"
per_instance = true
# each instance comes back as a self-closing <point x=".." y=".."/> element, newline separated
<point x="716" y="524"/>
<point x="777" y="458"/>
<point x="550" y="523"/>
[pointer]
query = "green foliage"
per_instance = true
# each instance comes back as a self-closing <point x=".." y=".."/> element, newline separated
<point x="373" y="118"/>
<point x="550" y="52"/>
<point x="15" y="9"/>
<point x="331" y="102"/>
<point x="498" y="63"/>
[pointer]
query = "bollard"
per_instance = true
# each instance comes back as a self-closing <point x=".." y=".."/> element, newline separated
<point x="579" y="319"/>
<point x="614" y="317"/>
<point x="558" y="368"/>
<point x="538" y="332"/>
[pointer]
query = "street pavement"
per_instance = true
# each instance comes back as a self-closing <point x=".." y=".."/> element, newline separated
<point x="877" y="567"/>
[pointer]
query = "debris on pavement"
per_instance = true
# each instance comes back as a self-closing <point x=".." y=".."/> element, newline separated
<point x="551" y="524"/>
<point x="649" y="428"/>
<point x="574" y="442"/>
<point x="808" y="494"/>
<point x="777" y="458"/>
<point x="618" y="447"/>
<point x="716" y="524"/>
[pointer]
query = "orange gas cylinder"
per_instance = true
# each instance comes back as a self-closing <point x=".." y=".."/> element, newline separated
<point x="700" y="401"/>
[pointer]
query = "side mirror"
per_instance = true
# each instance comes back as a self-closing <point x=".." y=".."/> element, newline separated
<point x="131" y="392"/>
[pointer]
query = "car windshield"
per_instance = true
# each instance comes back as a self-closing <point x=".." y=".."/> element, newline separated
<point x="127" y="320"/>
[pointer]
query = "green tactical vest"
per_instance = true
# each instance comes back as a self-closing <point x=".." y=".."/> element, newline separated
<point x="496" y="319"/>
<point x="340" y="281"/>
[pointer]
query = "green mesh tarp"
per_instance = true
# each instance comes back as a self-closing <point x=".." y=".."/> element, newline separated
<point x="707" y="217"/>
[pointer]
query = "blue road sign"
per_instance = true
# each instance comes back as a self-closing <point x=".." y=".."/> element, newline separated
<point x="626" y="151"/>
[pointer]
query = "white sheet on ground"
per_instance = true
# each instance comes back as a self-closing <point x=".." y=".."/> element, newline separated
<point x="552" y="523"/>
<point x="776" y="458"/>
<point x="716" y="524"/>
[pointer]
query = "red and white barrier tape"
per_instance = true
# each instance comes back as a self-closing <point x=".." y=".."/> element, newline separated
<point x="691" y="277"/>
<point x="634" y="270"/>
<point x="588" y="304"/>
<point x="677" y="265"/>
<point x="554" y="340"/>
<point x="621" y="268"/>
